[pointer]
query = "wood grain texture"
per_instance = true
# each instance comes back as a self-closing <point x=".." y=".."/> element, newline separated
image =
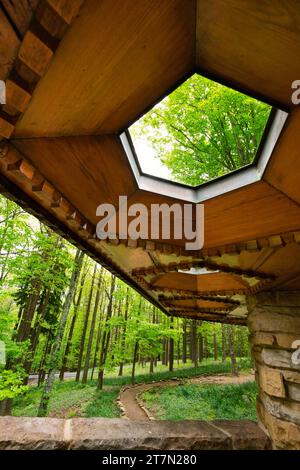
<point x="252" y="44"/>
<point x="205" y="282"/>
<point x="256" y="210"/>
<point x="87" y="170"/>
<point x="9" y="45"/>
<point x="20" y="12"/>
<point x="284" y="167"/>
<point x="117" y="59"/>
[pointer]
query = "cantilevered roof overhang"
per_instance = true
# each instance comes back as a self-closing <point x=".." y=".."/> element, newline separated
<point x="78" y="73"/>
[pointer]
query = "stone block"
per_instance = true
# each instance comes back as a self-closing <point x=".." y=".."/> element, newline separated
<point x="277" y="358"/>
<point x="271" y="381"/>
<point x="293" y="391"/>
<point x="114" y="434"/>
<point x="121" y="434"/>
<point x="291" y="376"/>
<point x="265" y="321"/>
<point x="31" y="433"/>
<point x="284" y="434"/>
<point x="283" y="409"/>
<point x="245" y="435"/>
<point x="285" y="340"/>
<point x="274" y="299"/>
<point x="264" y="339"/>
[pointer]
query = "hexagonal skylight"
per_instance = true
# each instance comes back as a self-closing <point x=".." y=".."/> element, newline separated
<point x="199" y="132"/>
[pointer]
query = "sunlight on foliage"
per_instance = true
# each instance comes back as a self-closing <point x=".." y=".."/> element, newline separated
<point x="203" y="130"/>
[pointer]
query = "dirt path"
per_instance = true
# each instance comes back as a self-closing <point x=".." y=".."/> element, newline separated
<point x="132" y="410"/>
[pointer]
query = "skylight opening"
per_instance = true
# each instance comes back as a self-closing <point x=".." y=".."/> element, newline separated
<point x="198" y="271"/>
<point x="201" y="131"/>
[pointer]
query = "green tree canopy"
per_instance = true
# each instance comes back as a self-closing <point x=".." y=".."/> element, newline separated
<point x="204" y="130"/>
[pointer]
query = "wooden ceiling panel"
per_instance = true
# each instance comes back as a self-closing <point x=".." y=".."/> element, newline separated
<point x="251" y="44"/>
<point x="200" y="283"/>
<point x="243" y="214"/>
<point x="284" y="167"/>
<point x="88" y="171"/>
<point x="256" y="209"/>
<point x="117" y="59"/>
<point x="199" y="304"/>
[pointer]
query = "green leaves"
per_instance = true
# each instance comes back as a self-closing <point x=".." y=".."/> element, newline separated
<point x="11" y="384"/>
<point x="203" y="130"/>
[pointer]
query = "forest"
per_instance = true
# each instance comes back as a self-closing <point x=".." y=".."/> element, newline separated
<point x="63" y="313"/>
<point x="73" y="334"/>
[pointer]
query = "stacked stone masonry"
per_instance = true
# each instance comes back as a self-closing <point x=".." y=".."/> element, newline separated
<point x="274" y="324"/>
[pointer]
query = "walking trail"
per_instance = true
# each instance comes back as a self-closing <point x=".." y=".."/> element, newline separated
<point x="129" y="396"/>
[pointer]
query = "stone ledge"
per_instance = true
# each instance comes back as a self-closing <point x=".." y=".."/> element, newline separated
<point x="113" y="434"/>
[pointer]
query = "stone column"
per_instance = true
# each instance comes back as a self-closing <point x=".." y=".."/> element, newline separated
<point x="274" y="324"/>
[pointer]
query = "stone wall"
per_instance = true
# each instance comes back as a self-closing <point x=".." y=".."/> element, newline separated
<point x="115" y="434"/>
<point x="274" y="324"/>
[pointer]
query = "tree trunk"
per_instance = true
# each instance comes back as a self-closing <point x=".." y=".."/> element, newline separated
<point x="215" y="348"/>
<point x="224" y="355"/>
<point x="85" y="325"/>
<point x="5" y="407"/>
<point x="59" y="335"/>
<point x="234" y="367"/>
<point x="47" y="350"/>
<point x="184" y="343"/>
<point x="71" y="330"/>
<point x="136" y="348"/>
<point x="123" y="342"/>
<point x="35" y="332"/>
<point x="171" y="349"/>
<point x="92" y="330"/>
<point x="200" y="347"/>
<point x="135" y="353"/>
<point x="194" y="345"/>
<point x="106" y="335"/>
<point x="205" y="348"/>
<point x="98" y="339"/>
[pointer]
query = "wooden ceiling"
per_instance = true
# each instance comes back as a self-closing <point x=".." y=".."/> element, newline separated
<point x="80" y="72"/>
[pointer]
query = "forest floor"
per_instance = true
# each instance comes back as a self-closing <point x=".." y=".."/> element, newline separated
<point x="135" y="407"/>
<point x="73" y="399"/>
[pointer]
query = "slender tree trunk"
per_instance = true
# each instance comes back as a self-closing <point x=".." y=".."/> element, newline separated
<point x="35" y="332"/>
<point x="72" y="326"/>
<point x="59" y="335"/>
<point x="215" y="348"/>
<point x="98" y="339"/>
<point x="184" y="343"/>
<point x="135" y="353"/>
<point x="223" y="343"/>
<point x="85" y="325"/>
<point x="194" y="345"/>
<point x="200" y="347"/>
<point x="106" y="335"/>
<point x="234" y="367"/>
<point x="205" y="348"/>
<point x="167" y="344"/>
<point x="47" y="349"/>
<point x="92" y="330"/>
<point x="28" y="313"/>
<point x="171" y="349"/>
<point x="136" y="348"/>
<point x="123" y="341"/>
